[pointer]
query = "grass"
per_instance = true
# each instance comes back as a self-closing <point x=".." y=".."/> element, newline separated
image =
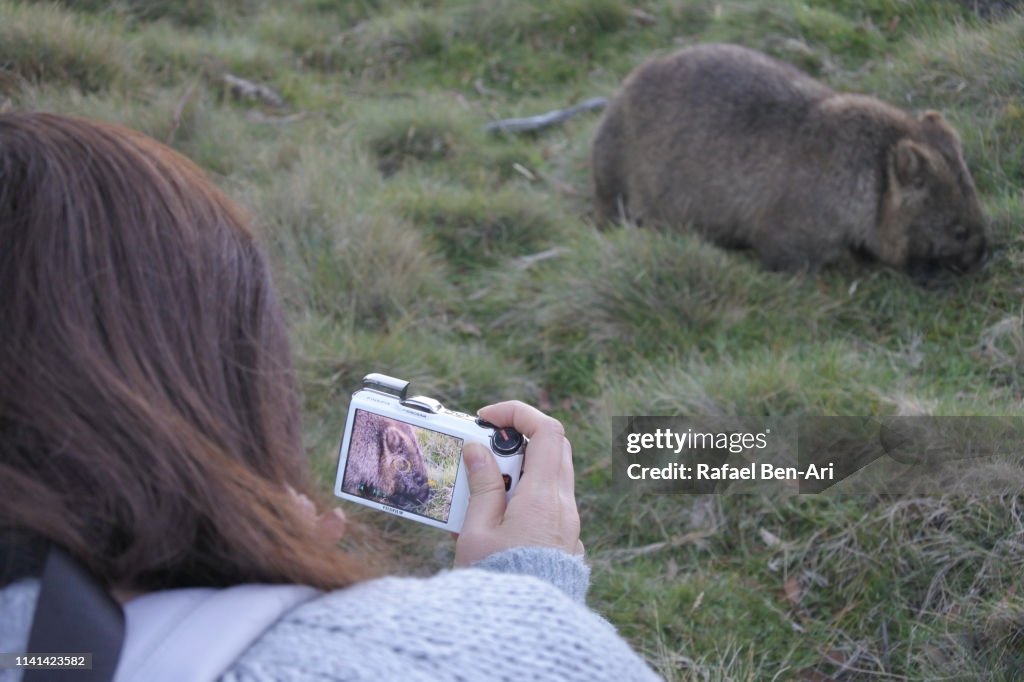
<point x="408" y="241"/>
<point x="441" y="454"/>
<point x="43" y="44"/>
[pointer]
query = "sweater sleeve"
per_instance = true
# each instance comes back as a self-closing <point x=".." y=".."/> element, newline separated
<point x="466" y="624"/>
<point x="565" y="571"/>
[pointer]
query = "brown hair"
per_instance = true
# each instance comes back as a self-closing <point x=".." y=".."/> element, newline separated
<point x="149" y="418"/>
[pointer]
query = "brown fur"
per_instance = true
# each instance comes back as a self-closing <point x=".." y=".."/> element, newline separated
<point x="755" y="153"/>
<point x="385" y="461"/>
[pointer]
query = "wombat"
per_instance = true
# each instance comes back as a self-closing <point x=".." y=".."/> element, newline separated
<point x="385" y="462"/>
<point x="754" y="153"/>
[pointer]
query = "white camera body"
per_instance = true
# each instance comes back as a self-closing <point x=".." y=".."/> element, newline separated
<point x="403" y="455"/>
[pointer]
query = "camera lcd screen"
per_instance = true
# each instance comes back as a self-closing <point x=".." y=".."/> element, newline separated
<point x="403" y="466"/>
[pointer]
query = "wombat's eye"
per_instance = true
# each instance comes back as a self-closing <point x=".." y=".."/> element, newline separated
<point x="401" y="465"/>
<point x="960" y="234"/>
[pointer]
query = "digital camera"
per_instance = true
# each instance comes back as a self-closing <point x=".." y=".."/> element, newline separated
<point x="403" y="455"/>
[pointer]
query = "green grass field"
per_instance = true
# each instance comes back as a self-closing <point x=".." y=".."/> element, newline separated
<point x="402" y="234"/>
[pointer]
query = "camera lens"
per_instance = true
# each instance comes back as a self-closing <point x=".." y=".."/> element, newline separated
<point x="506" y="440"/>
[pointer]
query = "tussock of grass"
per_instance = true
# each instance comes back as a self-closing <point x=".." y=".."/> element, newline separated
<point x="294" y="31"/>
<point x="378" y="46"/>
<point x="189" y="117"/>
<point x="169" y="57"/>
<point x="365" y="266"/>
<point x="896" y="15"/>
<point x="974" y="74"/>
<point x="41" y="43"/>
<point x="152" y="116"/>
<point x="652" y="291"/>
<point x="937" y="562"/>
<point x="839" y="34"/>
<point x="192" y="13"/>
<point x="794" y="32"/>
<point x="814" y="379"/>
<point x="463" y="373"/>
<point x="806" y="34"/>
<point x="476" y="230"/>
<point x="1004" y="225"/>
<point x="884" y="587"/>
<point x="958" y="64"/>
<point x="403" y="132"/>
<point x="441" y="139"/>
<point x="551" y="24"/>
<point x="1002" y="348"/>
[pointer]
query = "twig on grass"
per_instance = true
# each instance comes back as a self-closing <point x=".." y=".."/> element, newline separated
<point x="179" y="110"/>
<point x="245" y="89"/>
<point x="524" y="262"/>
<point x="629" y="553"/>
<point x="522" y="125"/>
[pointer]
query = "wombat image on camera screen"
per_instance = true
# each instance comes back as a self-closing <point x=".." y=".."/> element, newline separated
<point x="385" y="462"/>
<point x="756" y="154"/>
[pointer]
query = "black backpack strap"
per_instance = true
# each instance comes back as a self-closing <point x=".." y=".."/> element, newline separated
<point x="74" y="615"/>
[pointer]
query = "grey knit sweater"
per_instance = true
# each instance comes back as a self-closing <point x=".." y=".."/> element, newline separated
<point x="517" y="615"/>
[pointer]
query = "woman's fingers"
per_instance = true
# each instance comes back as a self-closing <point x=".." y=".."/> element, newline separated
<point x="548" y="449"/>
<point x="486" y="489"/>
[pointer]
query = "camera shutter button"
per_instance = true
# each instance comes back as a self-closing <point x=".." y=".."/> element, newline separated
<point x="506" y="440"/>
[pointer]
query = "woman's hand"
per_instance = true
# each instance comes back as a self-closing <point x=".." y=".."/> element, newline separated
<point x="542" y="512"/>
<point x="330" y="525"/>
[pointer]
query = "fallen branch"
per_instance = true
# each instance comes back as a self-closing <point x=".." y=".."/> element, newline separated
<point x="524" y="262"/>
<point x="244" y="89"/>
<point x="522" y="125"/>
<point x="179" y="111"/>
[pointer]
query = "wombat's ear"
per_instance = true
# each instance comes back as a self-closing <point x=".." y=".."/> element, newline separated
<point x="911" y="164"/>
<point x="392" y="439"/>
<point x="939" y="133"/>
<point x="933" y="121"/>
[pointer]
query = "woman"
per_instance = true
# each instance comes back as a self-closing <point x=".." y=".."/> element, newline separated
<point x="149" y="426"/>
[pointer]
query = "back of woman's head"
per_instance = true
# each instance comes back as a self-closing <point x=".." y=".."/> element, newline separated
<point x="148" y="414"/>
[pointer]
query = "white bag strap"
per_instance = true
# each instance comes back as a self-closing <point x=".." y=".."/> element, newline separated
<point x="196" y="634"/>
